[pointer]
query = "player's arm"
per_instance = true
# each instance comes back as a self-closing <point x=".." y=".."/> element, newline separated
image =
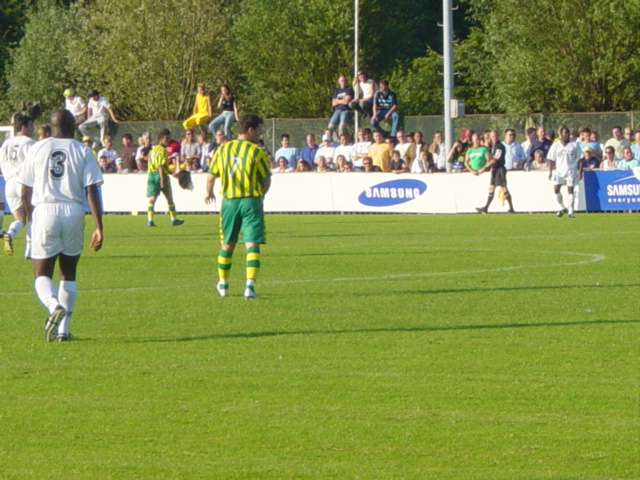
<point x="211" y="182"/>
<point x="161" y="173"/>
<point x="266" y="185"/>
<point x="95" y="207"/>
<point x="25" y="197"/>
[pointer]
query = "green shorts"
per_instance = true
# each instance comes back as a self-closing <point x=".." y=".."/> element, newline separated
<point x="246" y="214"/>
<point x="153" y="185"/>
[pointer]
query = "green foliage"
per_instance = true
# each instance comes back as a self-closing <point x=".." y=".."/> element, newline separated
<point x="419" y="86"/>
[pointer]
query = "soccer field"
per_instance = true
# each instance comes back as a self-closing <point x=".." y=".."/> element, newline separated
<point x="381" y="347"/>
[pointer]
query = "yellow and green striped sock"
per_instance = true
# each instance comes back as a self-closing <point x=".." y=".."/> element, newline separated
<point x="253" y="262"/>
<point x="224" y="265"/>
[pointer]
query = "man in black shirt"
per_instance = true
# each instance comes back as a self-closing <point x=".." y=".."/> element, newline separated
<point x="498" y="172"/>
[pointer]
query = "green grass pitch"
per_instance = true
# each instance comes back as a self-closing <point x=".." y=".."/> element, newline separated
<point x="382" y="347"/>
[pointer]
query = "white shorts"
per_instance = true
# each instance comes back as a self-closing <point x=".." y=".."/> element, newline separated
<point x="569" y="178"/>
<point x="57" y="228"/>
<point x="12" y="191"/>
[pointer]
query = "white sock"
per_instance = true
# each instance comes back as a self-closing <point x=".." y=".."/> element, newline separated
<point x="559" y="199"/>
<point x="250" y="282"/>
<point x="571" y="200"/>
<point x="27" y="242"/>
<point x="15" y="228"/>
<point x="67" y="293"/>
<point x="46" y="291"/>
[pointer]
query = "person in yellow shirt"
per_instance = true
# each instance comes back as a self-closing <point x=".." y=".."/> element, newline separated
<point x="380" y="152"/>
<point x="201" y="110"/>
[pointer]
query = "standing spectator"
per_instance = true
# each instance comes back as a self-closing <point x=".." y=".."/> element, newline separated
<point x="514" y="154"/>
<point x="627" y="162"/>
<point x="202" y="111"/>
<point x="617" y="141"/>
<point x="142" y="155"/>
<point x="403" y="143"/>
<point x="498" y="173"/>
<point x="287" y="151"/>
<point x="342" y="96"/>
<point x="327" y="150"/>
<point x="380" y="152"/>
<point x="190" y="152"/>
<point x="229" y="105"/>
<point x="439" y="153"/>
<point x="585" y="141"/>
<point x="455" y="157"/>
<point x="53" y="199"/>
<point x="126" y="163"/>
<point x="242" y="203"/>
<point x="159" y="180"/>
<point x="635" y="147"/>
<point x="99" y="111"/>
<point x="364" y="89"/>
<point x="477" y="156"/>
<point x="528" y="146"/>
<point x="564" y="169"/>
<point x="385" y="107"/>
<point x="415" y="149"/>
<point x="628" y="134"/>
<point x="344" y="149"/>
<point x="206" y="149"/>
<point x="75" y="105"/>
<point x="108" y="153"/>
<point x="308" y="152"/>
<point x="609" y="162"/>
<point x="361" y="147"/>
<point x="541" y="142"/>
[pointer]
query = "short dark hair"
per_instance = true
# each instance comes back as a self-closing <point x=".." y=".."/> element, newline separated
<point x="384" y="82"/>
<point x="249" y="121"/>
<point x="20" y="120"/>
<point x="165" y="131"/>
<point x="127" y="136"/>
<point x="284" y="135"/>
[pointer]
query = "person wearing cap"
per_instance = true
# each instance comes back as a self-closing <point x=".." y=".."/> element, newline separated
<point x="99" y="111"/>
<point x="75" y="105"/>
<point x="202" y="111"/>
<point x="589" y="160"/>
<point x="326" y="150"/>
<point x="364" y="88"/>
<point x="89" y="143"/>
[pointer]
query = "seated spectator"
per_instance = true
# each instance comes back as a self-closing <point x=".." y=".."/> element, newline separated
<point x="206" y="150"/>
<point x="617" y="141"/>
<point x="397" y="164"/>
<point x="282" y="166"/>
<point x="107" y="152"/>
<point x="423" y="163"/>
<point x="106" y="166"/>
<point x="455" y="157"/>
<point x="99" y="112"/>
<point x="75" y="105"/>
<point x="190" y="152"/>
<point x="303" y="166"/>
<point x="541" y="142"/>
<point x="287" y="151"/>
<point x="142" y="155"/>
<point x="361" y="147"/>
<point x="44" y="131"/>
<point x="589" y="161"/>
<point x="595" y="137"/>
<point x="364" y="88"/>
<point x="628" y="134"/>
<point x="86" y="141"/>
<point x="322" y="165"/>
<point x="514" y="156"/>
<point x="126" y="162"/>
<point x="344" y="149"/>
<point x="627" y="162"/>
<point x="385" y="107"/>
<point x="402" y="143"/>
<point x="539" y="161"/>
<point x="635" y="147"/>
<point x="327" y="150"/>
<point x="308" y="152"/>
<point x="415" y="148"/>
<point x="609" y="162"/>
<point x="380" y="152"/>
<point x="341" y="117"/>
<point x="368" y="166"/>
<point x="438" y="152"/>
<point x="585" y="141"/>
<point x="347" y="167"/>
<point x="202" y="110"/>
<point x="228" y="103"/>
<point x="341" y="161"/>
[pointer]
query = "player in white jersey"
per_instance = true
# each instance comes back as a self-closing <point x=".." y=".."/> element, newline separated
<point x="57" y="173"/>
<point x="12" y="155"/>
<point x="565" y="168"/>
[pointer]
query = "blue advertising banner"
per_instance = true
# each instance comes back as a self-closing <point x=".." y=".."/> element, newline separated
<point x="612" y="190"/>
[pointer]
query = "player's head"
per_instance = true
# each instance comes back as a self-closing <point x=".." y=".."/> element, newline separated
<point x="250" y="126"/>
<point x="63" y="123"/>
<point x="22" y="124"/>
<point x="164" y="137"/>
<point x="563" y="133"/>
<point x="44" y="131"/>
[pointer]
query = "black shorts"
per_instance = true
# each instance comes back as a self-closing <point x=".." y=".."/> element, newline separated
<point x="498" y="177"/>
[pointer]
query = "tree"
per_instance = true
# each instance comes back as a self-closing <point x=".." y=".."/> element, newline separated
<point x="419" y="87"/>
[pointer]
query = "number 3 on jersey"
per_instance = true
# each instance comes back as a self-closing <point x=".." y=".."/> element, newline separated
<point x="57" y="164"/>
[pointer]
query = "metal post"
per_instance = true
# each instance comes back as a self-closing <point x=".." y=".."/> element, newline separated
<point x="356" y="34"/>
<point x="447" y="33"/>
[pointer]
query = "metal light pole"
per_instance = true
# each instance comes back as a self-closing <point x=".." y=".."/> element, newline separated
<point x="356" y="33"/>
<point x="447" y="32"/>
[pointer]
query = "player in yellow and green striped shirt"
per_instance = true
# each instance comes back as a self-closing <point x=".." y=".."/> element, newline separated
<point x="159" y="181"/>
<point x="243" y="169"/>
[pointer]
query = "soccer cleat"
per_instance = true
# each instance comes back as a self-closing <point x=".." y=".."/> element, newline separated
<point x="223" y="289"/>
<point x="8" y="244"/>
<point x="250" y="293"/>
<point x="481" y="209"/>
<point x="51" y="325"/>
<point x="64" y="337"/>
<point x="176" y="222"/>
<point x="561" y="212"/>
<point x="511" y="210"/>
<point x="151" y="224"/>
<point x="571" y="215"/>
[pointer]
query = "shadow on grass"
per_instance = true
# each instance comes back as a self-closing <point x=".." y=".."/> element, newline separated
<point x="383" y="330"/>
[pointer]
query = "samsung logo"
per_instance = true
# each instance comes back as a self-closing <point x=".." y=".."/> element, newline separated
<point x="393" y="192"/>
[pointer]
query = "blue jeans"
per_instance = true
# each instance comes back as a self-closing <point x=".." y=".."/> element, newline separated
<point x="395" y="118"/>
<point x="226" y="118"/>
<point x="339" y="120"/>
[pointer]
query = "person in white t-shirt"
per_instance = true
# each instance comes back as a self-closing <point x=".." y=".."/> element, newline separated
<point x="327" y="150"/>
<point x="345" y="149"/>
<point x="565" y="168"/>
<point x="75" y="105"/>
<point x="364" y="88"/>
<point x="99" y="111"/>
<point x="361" y="148"/>
<point x="57" y="176"/>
